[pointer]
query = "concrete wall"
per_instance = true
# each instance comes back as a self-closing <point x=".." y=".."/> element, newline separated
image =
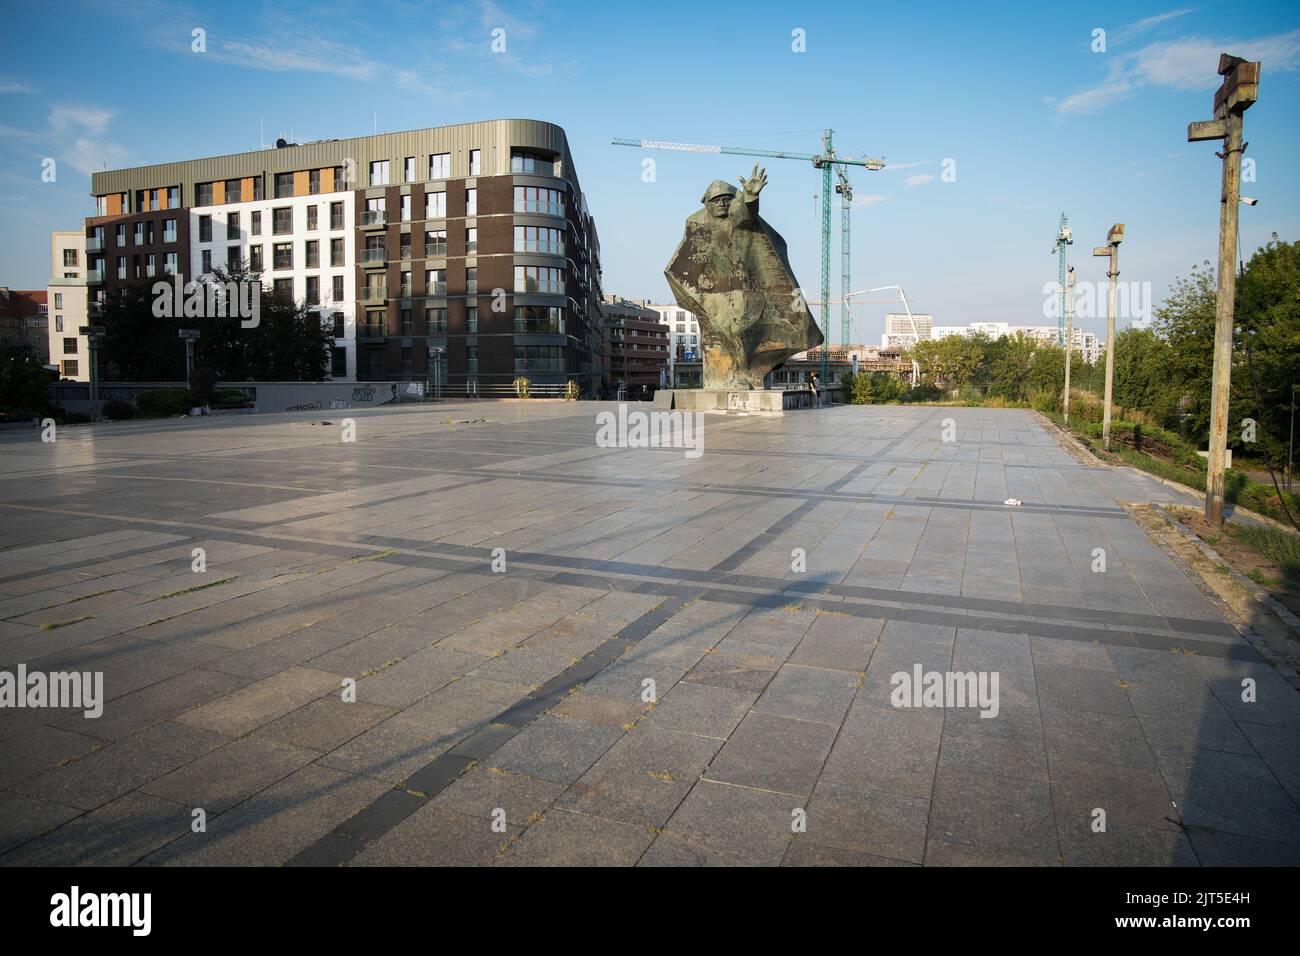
<point x="268" y="396"/>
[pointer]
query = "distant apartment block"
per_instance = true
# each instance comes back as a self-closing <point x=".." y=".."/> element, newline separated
<point x="24" y="319"/>
<point x="1085" y="342"/>
<point x="636" y="345"/>
<point x="69" y="306"/>
<point x="469" y="247"/>
<point x="902" y="331"/>
<point x="683" y="333"/>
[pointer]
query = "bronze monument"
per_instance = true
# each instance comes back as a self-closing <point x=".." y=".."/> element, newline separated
<point x="732" y="271"/>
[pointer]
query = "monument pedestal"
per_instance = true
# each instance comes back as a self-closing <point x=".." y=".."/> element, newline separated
<point x="735" y="401"/>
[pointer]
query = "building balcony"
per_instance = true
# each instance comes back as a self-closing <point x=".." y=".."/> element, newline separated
<point x="95" y="310"/>
<point x="373" y="294"/>
<point x="374" y="257"/>
<point x="373" y="219"/>
<point x="371" y="332"/>
<point x="94" y="277"/>
<point x="94" y="245"/>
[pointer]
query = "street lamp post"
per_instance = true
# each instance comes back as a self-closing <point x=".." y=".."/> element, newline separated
<point x="1069" y="342"/>
<point x="1239" y="90"/>
<point x="190" y="336"/>
<point x="94" y="335"/>
<point x="435" y="360"/>
<point x="1111" y="249"/>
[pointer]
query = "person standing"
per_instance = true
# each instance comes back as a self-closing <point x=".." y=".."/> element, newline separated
<point x="815" y="386"/>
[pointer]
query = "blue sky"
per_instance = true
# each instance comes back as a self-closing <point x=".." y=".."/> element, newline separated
<point x="1035" y="120"/>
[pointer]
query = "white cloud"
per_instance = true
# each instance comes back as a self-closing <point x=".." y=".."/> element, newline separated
<point x="1190" y="63"/>
<point x="895" y="167"/>
<point x="919" y="180"/>
<point x="1125" y="33"/>
<point x="15" y="87"/>
<point x="299" y="54"/>
<point x="90" y="119"/>
<point x="862" y="202"/>
<point x="91" y="156"/>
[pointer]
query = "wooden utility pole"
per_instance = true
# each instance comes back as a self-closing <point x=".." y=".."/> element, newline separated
<point x="1069" y="341"/>
<point x="1239" y="90"/>
<point x="1111" y="249"/>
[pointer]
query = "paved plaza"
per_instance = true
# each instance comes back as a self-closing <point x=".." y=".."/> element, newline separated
<point x="569" y="654"/>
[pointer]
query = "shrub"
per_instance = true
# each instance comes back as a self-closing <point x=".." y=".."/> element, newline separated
<point x="164" y="402"/>
<point x="118" y="411"/>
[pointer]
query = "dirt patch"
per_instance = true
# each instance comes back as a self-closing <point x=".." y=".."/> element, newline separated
<point x="1243" y="558"/>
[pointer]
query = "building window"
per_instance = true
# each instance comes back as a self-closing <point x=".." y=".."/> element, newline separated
<point x="536" y="199"/>
<point x="148" y="233"/>
<point x="283" y="290"/>
<point x="471" y="202"/>
<point x="471" y="320"/>
<point x="282" y="221"/>
<point x="440" y="166"/>
<point x="435" y="242"/>
<point x="471" y="240"/>
<point x="374" y="214"/>
<point x="255" y="258"/>
<point x="336" y="215"/>
<point x="139" y="231"/>
<point x="206" y="259"/>
<point x="283" y="185"/>
<point x="406" y="284"/>
<point x="232" y="190"/>
<point x="539" y="279"/>
<point x="258" y="192"/>
<point x="233" y="258"/>
<point x="404" y="245"/>
<point x="69" y="346"/>
<point x="406" y="208"/>
<point x="523" y="161"/>
<point x="121" y="265"/>
<point x="435" y="282"/>
<point x="313" y="290"/>
<point x="203" y="194"/>
<point x="169" y="230"/>
<point x="338" y="294"/>
<point x="173" y="197"/>
<point x="336" y="252"/>
<point x="539" y="239"/>
<point x="313" y="181"/>
<point x="435" y="205"/>
<point x="338" y="330"/>
<point x="232" y="226"/>
<point x="313" y="215"/>
<point x="539" y="320"/>
<point x="121" y="234"/>
<point x="379" y="172"/>
<point x="474" y="155"/>
<point x="58" y="323"/>
<point x="69" y="368"/>
<point x="408" y="169"/>
<point x="170" y="265"/>
<point x="338" y="361"/>
<point x="58" y="300"/>
<point x="255" y="227"/>
<point x="313" y="254"/>
<point x="282" y="256"/>
<point x="539" y="358"/>
<point x="471" y="281"/>
<point x="205" y="230"/>
<point x="404" y="317"/>
<point x="375" y="250"/>
<point x="435" y="321"/>
<point x="471" y="362"/>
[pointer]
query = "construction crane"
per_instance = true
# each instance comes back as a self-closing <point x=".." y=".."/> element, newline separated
<point x="826" y="161"/>
<point x="1064" y="237"/>
<point x="845" y="189"/>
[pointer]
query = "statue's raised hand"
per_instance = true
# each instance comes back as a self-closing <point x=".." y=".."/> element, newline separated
<point x="755" y="183"/>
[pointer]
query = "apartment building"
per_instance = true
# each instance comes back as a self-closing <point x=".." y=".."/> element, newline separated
<point x="68" y="305"/>
<point x="636" y="346"/>
<point x="465" y="254"/>
<point x="24" y="319"/>
<point x="1085" y="342"/>
<point x="683" y="333"/>
<point x="899" y="332"/>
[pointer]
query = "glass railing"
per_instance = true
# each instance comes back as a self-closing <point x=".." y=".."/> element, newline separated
<point x="374" y="255"/>
<point x="372" y="217"/>
<point x="374" y="294"/>
<point x="547" y="208"/>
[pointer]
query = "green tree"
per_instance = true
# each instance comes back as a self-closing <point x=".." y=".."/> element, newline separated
<point x="1266" y="374"/>
<point x="24" y="384"/>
